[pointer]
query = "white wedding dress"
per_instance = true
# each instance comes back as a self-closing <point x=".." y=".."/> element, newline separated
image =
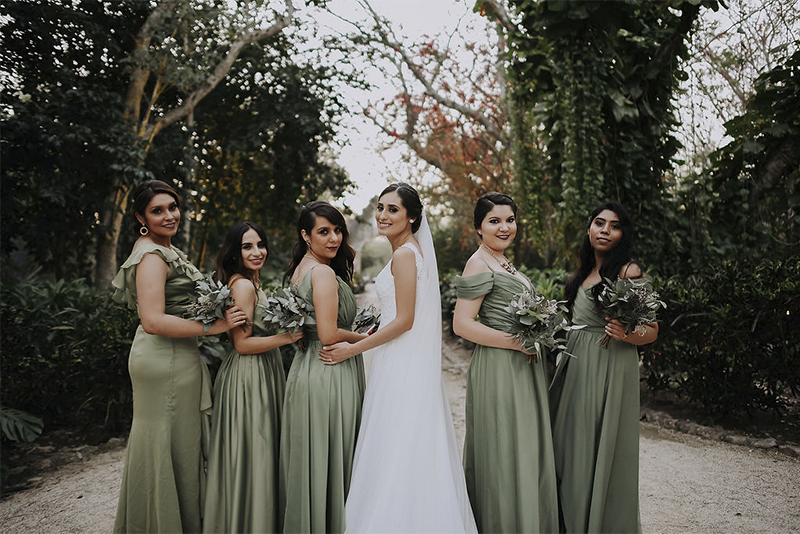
<point x="407" y="474"/>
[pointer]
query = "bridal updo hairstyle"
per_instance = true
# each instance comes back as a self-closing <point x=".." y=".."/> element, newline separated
<point x="229" y="261"/>
<point x="614" y="260"/>
<point x="342" y="263"/>
<point x="487" y="202"/>
<point x="409" y="198"/>
<point x="144" y="193"/>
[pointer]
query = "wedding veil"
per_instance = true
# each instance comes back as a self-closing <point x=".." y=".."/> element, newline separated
<point x="429" y="309"/>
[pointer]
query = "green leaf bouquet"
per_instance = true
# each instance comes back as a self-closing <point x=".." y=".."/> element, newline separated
<point x="288" y="310"/>
<point x="367" y="319"/>
<point x="538" y="322"/>
<point x="631" y="301"/>
<point x="213" y="298"/>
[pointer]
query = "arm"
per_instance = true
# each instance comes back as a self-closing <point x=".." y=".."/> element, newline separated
<point x="404" y="270"/>
<point x="642" y="335"/>
<point x="244" y="295"/>
<point x="326" y="306"/>
<point x="464" y="324"/>
<point x="151" y="277"/>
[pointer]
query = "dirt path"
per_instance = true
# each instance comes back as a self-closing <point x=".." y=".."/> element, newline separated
<point x="688" y="484"/>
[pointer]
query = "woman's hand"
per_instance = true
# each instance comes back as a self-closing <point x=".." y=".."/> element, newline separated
<point x="234" y="317"/>
<point x="338" y="352"/>
<point x="615" y="330"/>
<point x="531" y="354"/>
<point x="291" y="337"/>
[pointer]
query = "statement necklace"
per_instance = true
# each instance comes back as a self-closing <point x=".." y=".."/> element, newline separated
<point x="504" y="263"/>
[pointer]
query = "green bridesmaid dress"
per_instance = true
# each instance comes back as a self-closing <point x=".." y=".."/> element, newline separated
<point x="321" y="417"/>
<point x="163" y="478"/>
<point x="243" y="462"/>
<point x="595" y="405"/>
<point x="508" y="449"/>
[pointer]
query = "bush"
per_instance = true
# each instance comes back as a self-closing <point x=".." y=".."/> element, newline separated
<point x="730" y="337"/>
<point x="65" y="353"/>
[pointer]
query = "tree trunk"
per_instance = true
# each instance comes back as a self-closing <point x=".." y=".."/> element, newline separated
<point x="106" y="256"/>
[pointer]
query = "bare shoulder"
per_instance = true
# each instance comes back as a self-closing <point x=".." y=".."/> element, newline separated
<point x="475" y="265"/>
<point x="403" y="254"/>
<point x="322" y="274"/>
<point x="631" y="270"/>
<point x="241" y="285"/>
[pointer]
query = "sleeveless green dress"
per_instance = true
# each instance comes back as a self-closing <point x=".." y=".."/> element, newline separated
<point x="163" y="478"/>
<point x="508" y="449"/>
<point x="595" y="405"/>
<point x="321" y="417"/>
<point x="243" y="460"/>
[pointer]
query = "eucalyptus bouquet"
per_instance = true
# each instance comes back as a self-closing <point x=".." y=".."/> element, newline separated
<point x="213" y="298"/>
<point x="631" y="301"/>
<point x="538" y="322"/>
<point x="287" y="309"/>
<point x="367" y="319"/>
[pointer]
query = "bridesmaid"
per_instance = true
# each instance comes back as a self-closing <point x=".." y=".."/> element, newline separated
<point x="171" y="385"/>
<point x="322" y="409"/>
<point x="595" y="395"/>
<point x="242" y="493"/>
<point x="508" y="450"/>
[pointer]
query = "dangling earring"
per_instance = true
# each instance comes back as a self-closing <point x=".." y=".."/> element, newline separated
<point x="143" y="230"/>
<point x="308" y="244"/>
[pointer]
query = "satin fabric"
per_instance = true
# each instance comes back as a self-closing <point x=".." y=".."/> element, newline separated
<point x="163" y="479"/>
<point x="243" y="461"/>
<point x="595" y="403"/>
<point x="321" y="416"/>
<point x="508" y="448"/>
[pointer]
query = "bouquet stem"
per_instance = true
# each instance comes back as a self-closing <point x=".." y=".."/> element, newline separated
<point x="604" y="341"/>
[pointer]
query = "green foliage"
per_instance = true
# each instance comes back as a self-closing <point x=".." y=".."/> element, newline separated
<point x="548" y="282"/>
<point x="262" y="137"/>
<point x="213" y="298"/>
<point x="538" y="321"/>
<point x="74" y="340"/>
<point x="730" y="338"/>
<point x="593" y="83"/>
<point x="63" y="128"/>
<point x="17" y="425"/>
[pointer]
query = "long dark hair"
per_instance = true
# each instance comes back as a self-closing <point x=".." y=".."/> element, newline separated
<point x="409" y="198"/>
<point x="229" y="259"/>
<point x="614" y="260"/>
<point x="342" y="263"/>
<point x="144" y="193"/>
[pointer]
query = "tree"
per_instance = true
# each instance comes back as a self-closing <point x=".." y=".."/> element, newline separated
<point x="596" y="82"/>
<point x="727" y="52"/>
<point x="63" y="130"/>
<point x="182" y="52"/>
<point x="448" y="109"/>
<point x="261" y="139"/>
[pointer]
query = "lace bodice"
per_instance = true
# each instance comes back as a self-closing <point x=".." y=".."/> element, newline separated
<point x="384" y="287"/>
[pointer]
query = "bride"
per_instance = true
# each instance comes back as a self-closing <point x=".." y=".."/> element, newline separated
<point x="407" y="475"/>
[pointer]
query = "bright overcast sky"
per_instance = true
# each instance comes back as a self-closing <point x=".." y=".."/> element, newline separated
<point x="370" y="169"/>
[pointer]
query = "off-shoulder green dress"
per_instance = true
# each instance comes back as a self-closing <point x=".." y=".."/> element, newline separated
<point x="508" y="448"/>
<point x="243" y="460"/>
<point x="162" y="482"/>
<point x="595" y="403"/>
<point x="321" y="417"/>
